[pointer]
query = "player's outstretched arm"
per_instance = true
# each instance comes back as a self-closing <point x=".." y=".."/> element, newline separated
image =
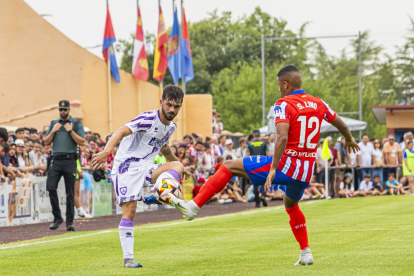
<point x="282" y="130"/>
<point x="168" y="154"/>
<point x="99" y="159"/>
<point x="350" y="143"/>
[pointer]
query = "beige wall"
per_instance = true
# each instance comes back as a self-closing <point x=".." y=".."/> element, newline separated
<point x="41" y="66"/>
<point x="399" y="118"/>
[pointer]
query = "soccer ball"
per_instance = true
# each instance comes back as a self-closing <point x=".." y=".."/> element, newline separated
<point x="165" y="186"/>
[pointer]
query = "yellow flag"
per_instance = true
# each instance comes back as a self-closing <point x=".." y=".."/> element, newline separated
<point x="326" y="153"/>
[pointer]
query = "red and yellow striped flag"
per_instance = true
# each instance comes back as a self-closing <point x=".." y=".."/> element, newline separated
<point x="160" y="56"/>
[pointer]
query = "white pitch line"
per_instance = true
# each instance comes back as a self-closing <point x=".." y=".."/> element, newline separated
<point x="150" y="226"/>
<point x="68" y="238"/>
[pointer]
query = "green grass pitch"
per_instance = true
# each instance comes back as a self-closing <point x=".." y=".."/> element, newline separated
<point x="359" y="236"/>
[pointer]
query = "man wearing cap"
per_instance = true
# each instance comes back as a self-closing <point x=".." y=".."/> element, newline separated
<point x="65" y="133"/>
<point x="258" y="147"/>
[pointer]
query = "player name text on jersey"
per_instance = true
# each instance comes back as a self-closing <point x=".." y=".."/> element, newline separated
<point x="308" y="105"/>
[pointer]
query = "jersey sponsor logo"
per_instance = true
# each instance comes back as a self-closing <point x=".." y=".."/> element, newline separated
<point x="295" y="153"/>
<point x="280" y="110"/>
<point x="291" y="152"/>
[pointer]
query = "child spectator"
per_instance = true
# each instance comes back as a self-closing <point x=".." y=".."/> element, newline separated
<point x="408" y="164"/>
<point x="378" y="189"/>
<point x="196" y="189"/>
<point x="346" y="187"/>
<point x="234" y="192"/>
<point x="365" y="187"/>
<point x="392" y="186"/>
<point x="316" y="189"/>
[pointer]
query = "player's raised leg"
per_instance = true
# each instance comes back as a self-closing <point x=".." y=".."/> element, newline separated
<point x="214" y="185"/>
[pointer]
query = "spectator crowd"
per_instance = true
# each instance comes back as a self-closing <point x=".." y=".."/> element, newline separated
<point x="382" y="167"/>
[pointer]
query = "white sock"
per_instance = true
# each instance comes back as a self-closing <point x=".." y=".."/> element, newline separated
<point x="80" y="211"/>
<point x="193" y="206"/>
<point x="126" y="236"/>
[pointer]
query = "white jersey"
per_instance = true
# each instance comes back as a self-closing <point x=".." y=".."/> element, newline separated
<point x="148" y="136"/>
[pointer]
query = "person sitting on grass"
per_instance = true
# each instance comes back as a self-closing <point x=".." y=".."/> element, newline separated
<point x="378" y="189"/>
<point x="275" y="193"/>
<point x="346" y="188"/>
<point x="234" y="192"/>
<point x="392" y="186"/>
<point x="404" y="182"/>
<point x="365" y="187"/>
<point x="316" y="189"/>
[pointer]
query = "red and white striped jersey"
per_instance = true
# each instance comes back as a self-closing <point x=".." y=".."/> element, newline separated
<point x="304" y="113"/>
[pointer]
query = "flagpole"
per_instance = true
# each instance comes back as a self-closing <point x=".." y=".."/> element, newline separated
<point x="182" y="32"/>
<point x="326" y="178"/>
<point x="109" y="85"/>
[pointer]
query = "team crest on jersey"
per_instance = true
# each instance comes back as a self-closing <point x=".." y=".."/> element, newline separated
<point x="123" y="190"/>
<point x="280" y="110"/>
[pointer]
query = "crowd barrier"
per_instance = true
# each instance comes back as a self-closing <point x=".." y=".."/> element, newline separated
<point x="26" y="201"/>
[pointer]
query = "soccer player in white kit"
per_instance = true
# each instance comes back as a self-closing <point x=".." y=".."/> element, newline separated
<point x="142" y="139"/>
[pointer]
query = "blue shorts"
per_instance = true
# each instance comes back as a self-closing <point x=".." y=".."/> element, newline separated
<point x="257" y="168"/>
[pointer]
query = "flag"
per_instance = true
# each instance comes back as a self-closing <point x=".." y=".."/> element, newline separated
<point x="187" y="60"/>
<point x="160" y="55"/>
<point x="140" y="62"/>
<point x="326" y="152"/>
<point x="174" y="53"/>
<point x="109" y="39"/>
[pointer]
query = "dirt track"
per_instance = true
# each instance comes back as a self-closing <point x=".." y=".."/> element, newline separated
<point x="40" y="230"/>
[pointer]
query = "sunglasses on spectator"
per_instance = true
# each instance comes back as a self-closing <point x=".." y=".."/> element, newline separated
<point x="391" y="139"/>
<point x="376" y="142"/>
<point x="63" y="109"/>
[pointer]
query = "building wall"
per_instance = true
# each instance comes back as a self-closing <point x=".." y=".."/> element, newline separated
<point x="41" y="66"/>
<point x="399" y="118"/>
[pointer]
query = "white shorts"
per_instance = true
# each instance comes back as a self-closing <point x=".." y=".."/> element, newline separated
<point x="129" y="183"/>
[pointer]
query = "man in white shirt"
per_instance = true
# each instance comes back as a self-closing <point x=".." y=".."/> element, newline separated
<point x="365" y="157"/>
<point x="366" y="187"/>
<point x="142" y="139"/>
<point x="407" y="136"/>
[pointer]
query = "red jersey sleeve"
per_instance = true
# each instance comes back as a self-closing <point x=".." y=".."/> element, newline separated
<point x="329" y="115"/>
<point x="282" y="112"/>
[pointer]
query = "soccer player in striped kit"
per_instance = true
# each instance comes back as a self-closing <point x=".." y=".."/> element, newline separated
<point x="298" y="121"/>
<point x="142" y="139"/>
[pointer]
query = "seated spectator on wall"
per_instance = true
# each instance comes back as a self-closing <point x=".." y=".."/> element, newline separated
<point x="197" y="187"/>
<point x="33" y="134"/>
<point x="181" y="152"/>
<point x="241" y="151"/>
<point x="378" y="189"/>
<point x="229" y="151"/>
<point x="365" y="187"/>
<point x="346" y="188"/>
<point x="20" y="133"/>
<point x="88" y="133"/>
<point x="392" y="186"/>
<point x="92" y="145"/>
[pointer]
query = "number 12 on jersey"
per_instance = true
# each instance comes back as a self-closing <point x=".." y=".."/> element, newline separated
<point x="312" y="123"/>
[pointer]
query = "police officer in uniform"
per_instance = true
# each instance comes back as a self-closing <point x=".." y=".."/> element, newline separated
<point x="258" y="147"/>
<point x="65" y="133"/>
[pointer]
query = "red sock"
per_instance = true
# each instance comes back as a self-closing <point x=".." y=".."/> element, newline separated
<point x="214" y="185"/>
<point x="298" y="224"/>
